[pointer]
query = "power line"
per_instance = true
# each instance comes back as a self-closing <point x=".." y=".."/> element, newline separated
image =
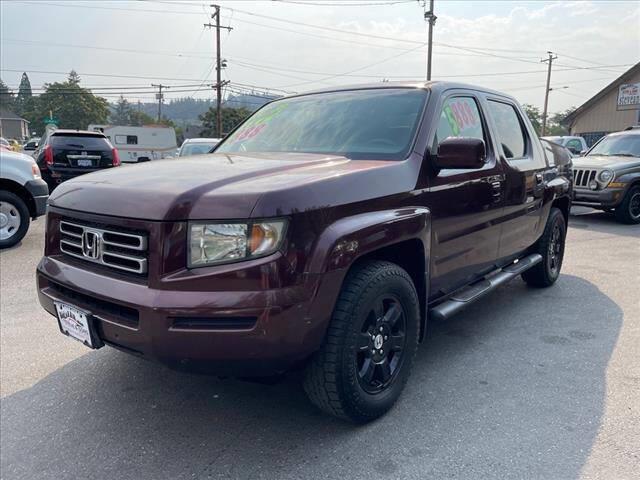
<point x="340" y="4"/>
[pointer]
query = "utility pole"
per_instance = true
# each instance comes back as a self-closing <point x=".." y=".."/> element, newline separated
<point x="160" y="98"/>
<point x="551" y="58"/>
<point x="431" y="18"/>
<point x="219" y="65"/>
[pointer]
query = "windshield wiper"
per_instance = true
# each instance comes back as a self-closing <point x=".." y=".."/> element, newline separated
<point x="624" y="155"/>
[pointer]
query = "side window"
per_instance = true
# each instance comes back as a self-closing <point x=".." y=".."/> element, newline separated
<point x="460" y="117"/>
<point x="509" y="130"/>
<point x="127" y="139"/>
<point x="574" y="145"/>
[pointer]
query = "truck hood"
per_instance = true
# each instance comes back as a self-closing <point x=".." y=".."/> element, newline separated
<point x="224" y="186"/>
<point x="602" y="161"/>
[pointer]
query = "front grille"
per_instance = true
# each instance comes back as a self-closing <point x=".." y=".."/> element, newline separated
<point x="124" y="251"/>
<point x="581" y="178"/>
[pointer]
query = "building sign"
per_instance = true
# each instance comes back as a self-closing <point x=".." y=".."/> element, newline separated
<point x="629" y="96"/>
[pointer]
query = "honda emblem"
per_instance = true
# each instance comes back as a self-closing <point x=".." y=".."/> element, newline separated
<point x="91" y="244"/>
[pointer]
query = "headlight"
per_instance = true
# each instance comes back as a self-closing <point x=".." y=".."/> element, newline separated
<point x="212" y="243"/>
<point x="605" y="176"/>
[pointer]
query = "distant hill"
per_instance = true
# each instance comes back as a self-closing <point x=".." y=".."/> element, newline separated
<point x="185" y="111"/>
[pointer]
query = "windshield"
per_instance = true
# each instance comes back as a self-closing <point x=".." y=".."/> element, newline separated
<point x="372" y="124"/>
<point x="619" y="145"/>
<point x="196" y="149"/>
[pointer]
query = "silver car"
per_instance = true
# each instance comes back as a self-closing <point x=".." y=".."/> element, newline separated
<point x="197" y="146"/>
<point x="23" y="196"/>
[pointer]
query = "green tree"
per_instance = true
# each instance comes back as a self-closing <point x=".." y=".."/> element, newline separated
<point x="74" y="107"/>
<point x="138" y="118"/>
<point x="230" y="118"/>
<point x="121" y="114"/>
<point x="24" y="93"/>
<point x="535" y="117"/>
<point x="7" y="98"/>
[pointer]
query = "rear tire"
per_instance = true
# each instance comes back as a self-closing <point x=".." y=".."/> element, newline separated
<point x="366" y="356"/>
<point x="14" y="219"/>
<point x="551" y="247"/>
<point x="629" y="210"/>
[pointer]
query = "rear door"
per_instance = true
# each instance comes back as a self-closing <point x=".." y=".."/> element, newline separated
<point x="81" y="152"/>
<point x="523" y="162"/>
<point x="465" y="204"/>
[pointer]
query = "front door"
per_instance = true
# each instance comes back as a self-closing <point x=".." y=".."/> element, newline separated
<point x="465" y="204"/>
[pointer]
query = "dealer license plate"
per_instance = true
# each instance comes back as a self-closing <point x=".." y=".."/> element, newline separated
<point x="85" y="162"/>
<point x="75" y="323"/>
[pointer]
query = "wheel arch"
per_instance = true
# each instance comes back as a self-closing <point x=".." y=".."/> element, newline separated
<point x="564" y="205"/>
<point x="410" y="256"/>
<point x="401" y="236"/>
<point x="20" y="191"/>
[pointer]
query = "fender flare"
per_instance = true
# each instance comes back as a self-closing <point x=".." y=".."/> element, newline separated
<point x="348" y="239"/>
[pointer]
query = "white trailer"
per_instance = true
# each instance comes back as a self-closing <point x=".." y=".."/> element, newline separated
<point x="140" y="144"/>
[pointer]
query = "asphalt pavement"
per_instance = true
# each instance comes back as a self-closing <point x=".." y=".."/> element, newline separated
<point x="528" y="384"/>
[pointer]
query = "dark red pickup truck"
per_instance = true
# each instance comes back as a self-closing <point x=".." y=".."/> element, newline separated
<point x="321" y="234"/>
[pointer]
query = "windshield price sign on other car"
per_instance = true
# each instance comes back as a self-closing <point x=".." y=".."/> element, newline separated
<point x="629" y="96"/>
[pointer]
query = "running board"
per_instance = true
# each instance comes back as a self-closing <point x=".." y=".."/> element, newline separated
<point x="466" y="296"/>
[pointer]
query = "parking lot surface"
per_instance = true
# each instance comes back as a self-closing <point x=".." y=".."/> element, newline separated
<point x="526" y="384"/>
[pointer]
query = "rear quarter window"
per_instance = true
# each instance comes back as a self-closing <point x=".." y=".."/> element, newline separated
<point x="75" y="142"/>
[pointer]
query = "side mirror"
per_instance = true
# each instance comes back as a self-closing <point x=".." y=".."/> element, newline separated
<point x="460" y="153"/>
<point x="583" y="153"/>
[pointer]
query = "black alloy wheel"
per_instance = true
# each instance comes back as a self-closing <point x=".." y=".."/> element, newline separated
<point x="381" y="344"/>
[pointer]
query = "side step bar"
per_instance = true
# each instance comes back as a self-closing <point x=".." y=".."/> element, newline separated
<point x="466" y="296"/>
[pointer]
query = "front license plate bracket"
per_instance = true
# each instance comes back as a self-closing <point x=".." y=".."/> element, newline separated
<point x="78" y="324"/>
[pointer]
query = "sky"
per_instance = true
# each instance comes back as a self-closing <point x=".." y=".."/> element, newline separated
<point x="299" y="45"/>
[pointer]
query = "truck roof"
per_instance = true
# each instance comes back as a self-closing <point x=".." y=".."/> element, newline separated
<point x="436" y="86"/>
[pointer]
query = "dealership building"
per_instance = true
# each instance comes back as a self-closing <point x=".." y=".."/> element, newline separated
<point x="614" y="108"/>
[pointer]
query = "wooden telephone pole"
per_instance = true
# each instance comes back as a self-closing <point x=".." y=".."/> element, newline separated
<point x="431" y="18"/>
<point x="219" y="66"/>
<point x="160" y="98"/>
<point x="551" y="58"/>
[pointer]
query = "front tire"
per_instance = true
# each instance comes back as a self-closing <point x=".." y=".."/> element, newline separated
<point x="551" y="247"/>
<point x="629" y="210"/>
<point x="14" y="219"/>
<point x="366" y="356"/>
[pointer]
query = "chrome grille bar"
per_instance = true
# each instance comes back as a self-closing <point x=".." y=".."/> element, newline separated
<point x="582" y="177"/>
<point x="111" y="248"/>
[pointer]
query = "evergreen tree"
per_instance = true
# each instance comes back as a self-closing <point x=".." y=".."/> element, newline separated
<point x="122" y="112"/>
<point x="24" y="94"/>
<point x="7" y="99"/>
<point x="74" y="78"/>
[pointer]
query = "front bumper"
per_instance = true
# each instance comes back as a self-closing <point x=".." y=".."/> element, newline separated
<point x="607" y="198"/>
<point x="39" y="191"/>
<point x="241" y="333"/>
